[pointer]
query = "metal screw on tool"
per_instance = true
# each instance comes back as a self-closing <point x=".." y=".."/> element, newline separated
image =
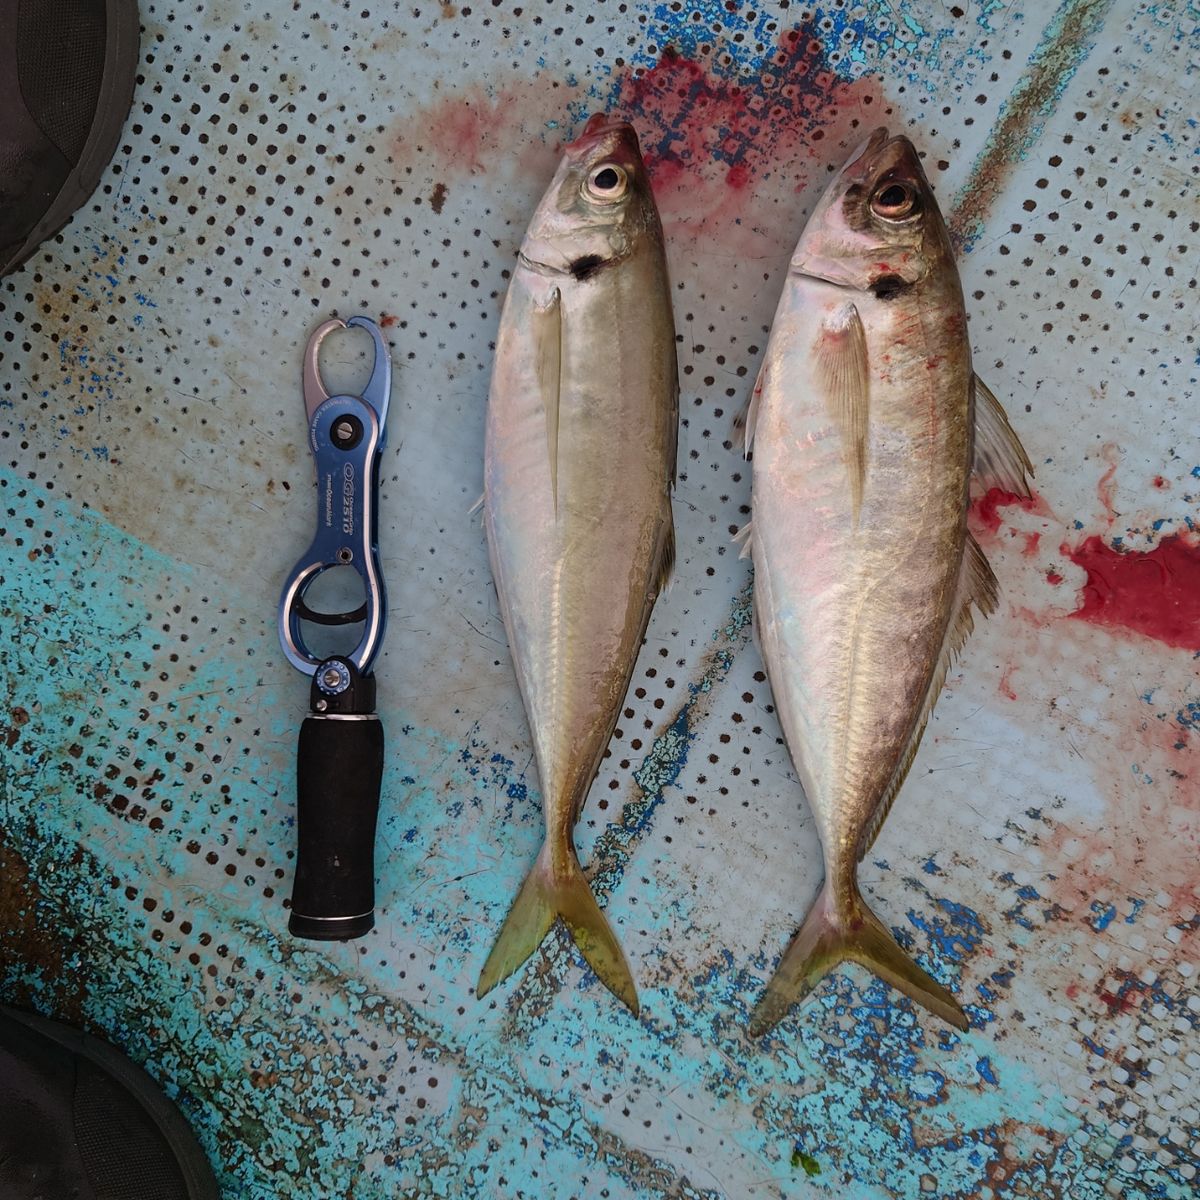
<point x="345" y="555"/>
<point x="333" y="678"/>
<point x="343" y="431"/>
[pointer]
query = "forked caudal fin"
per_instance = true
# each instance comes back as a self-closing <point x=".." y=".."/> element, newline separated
<point x="829" y="937"/>
<point x="555" y="890"/>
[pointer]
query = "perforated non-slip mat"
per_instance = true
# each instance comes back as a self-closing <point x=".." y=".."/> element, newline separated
<point x="286" y="162"/>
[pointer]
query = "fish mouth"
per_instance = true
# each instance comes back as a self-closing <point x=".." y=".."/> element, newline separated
<point x="600" y="126"/>
<point x="879" y="145"/>
<point x="868" y="147"/>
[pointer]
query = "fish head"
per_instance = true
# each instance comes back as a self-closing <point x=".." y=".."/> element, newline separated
<point x="598" y="203"/>
<point x="877" y="226"/>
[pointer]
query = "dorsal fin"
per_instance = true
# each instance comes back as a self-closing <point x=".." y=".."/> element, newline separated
<point x="841" y="365"/>
<point x="1000" y="459"/>
<point x="674" y="420"/>
<point x="666" y="556"/>
<point x="976" y="586"/>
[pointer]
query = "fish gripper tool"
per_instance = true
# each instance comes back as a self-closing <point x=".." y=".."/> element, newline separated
<point x="339" y="767"/>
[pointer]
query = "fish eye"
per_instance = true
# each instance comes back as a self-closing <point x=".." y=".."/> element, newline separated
<point x="607" y="182"/>
<point x="894" y="201"/>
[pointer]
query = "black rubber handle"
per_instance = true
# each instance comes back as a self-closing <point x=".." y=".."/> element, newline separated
<point x="338" y="777"/>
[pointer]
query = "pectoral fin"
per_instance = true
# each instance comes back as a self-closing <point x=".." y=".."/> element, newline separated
<point x="1000" y="459"/>
<point x="547" y="340"/>
<point x="841" y="364"/>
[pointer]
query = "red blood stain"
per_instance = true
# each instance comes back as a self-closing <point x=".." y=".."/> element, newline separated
<point x="1054" y="577"/>
<point x="738" y="177"/>
<point x="387" y="321"/>
<point x="688" y="116"/>
<point x="1032" y="541"/>
<point x="1005" y="687"/>
<point x="1159" y="482"/>
<point x="707" y="136"/>
<point x="479" y="131"/>
<point x="1127" y="998"/>
<point x="985" y="509"/>
<point x="1106" y="489"/>
<point x="460" y="131"/>
<point x="1153" y="592"/>
<point x="1072" y="991"/>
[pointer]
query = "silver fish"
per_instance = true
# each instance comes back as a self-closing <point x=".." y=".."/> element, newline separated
<point x="580" y="462"/>
<point x="867" y="422"/>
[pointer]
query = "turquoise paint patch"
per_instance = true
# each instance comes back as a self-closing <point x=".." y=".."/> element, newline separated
<point x="272" y="1031"/>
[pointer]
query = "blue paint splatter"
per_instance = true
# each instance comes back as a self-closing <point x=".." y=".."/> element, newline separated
<point x="986" y="1073"/>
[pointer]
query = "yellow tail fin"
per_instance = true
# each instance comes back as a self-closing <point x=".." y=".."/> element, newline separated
<point x="829" y="937"/>
<point x="559" y="889"/>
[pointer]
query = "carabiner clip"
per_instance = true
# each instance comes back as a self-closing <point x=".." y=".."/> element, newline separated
<point x="379" y="386"/>
<point x="346" y="433"/>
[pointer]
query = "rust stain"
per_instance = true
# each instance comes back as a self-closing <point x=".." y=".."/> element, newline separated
<point x="438" y="200"/>
<point x="31" y="941"/>
<point x="1064" y="45"/>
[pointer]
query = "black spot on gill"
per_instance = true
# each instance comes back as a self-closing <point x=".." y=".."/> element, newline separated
<point x="888" y="287"/>
<point x="587" y="266"/>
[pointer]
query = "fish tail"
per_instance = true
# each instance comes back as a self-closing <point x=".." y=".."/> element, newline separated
<point x="833" y="934"/>
<point x="556" y="887"/>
